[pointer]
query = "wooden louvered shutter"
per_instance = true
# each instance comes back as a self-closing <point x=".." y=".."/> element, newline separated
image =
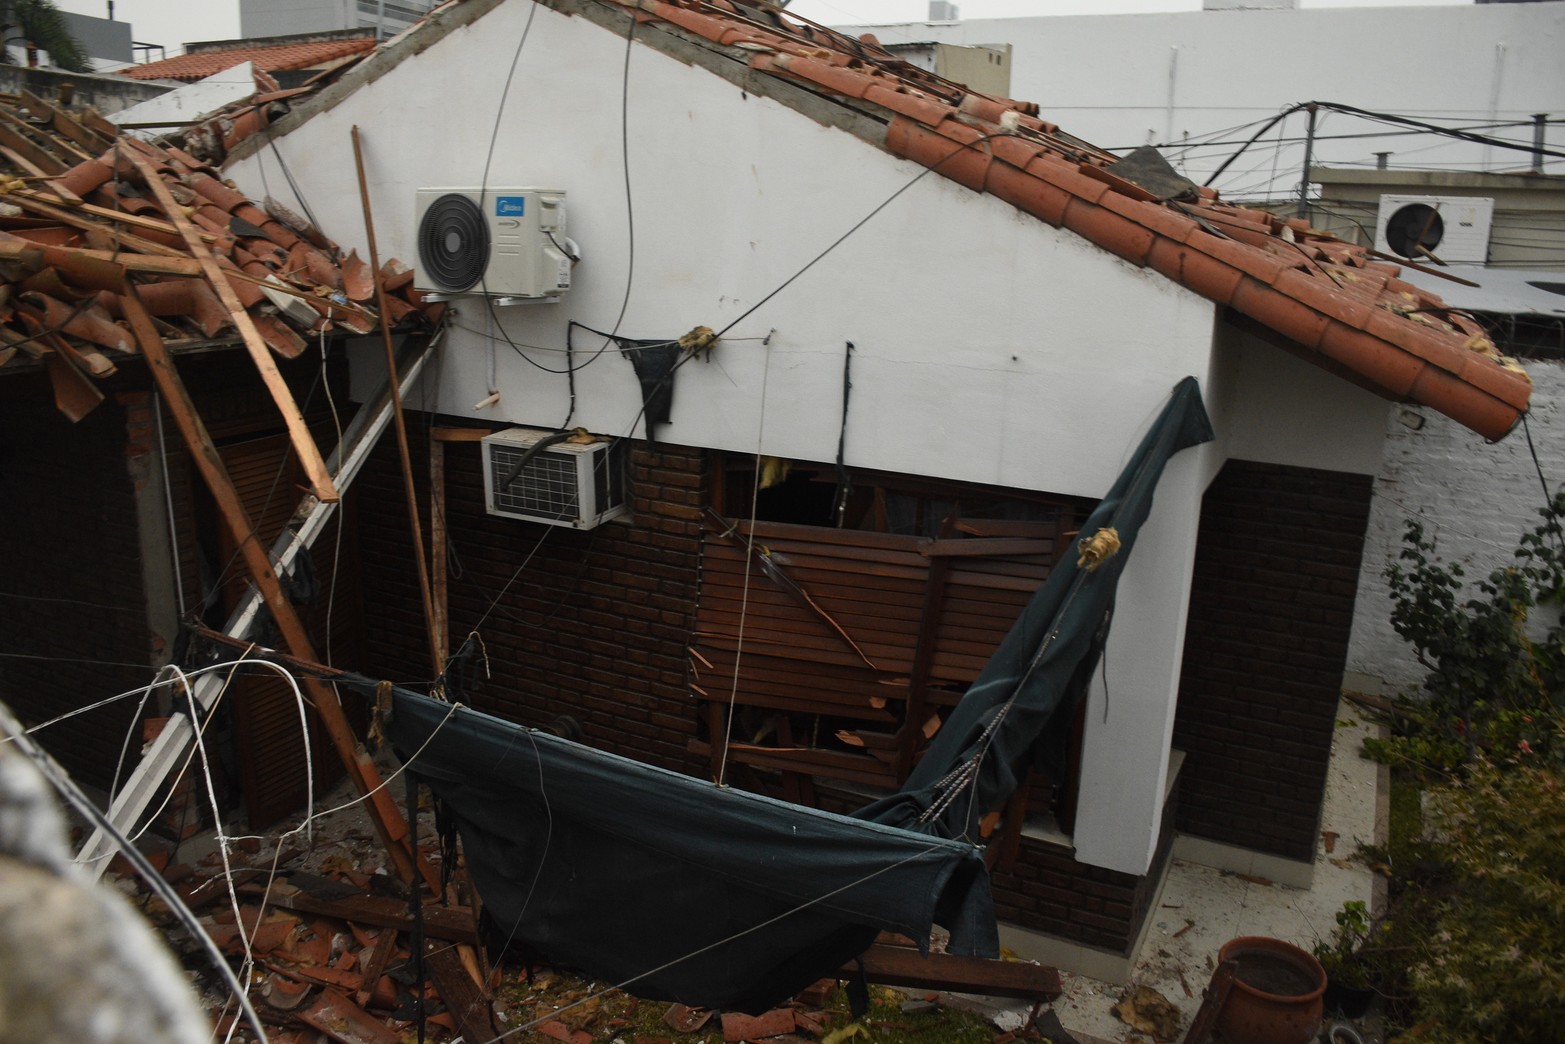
<point x="265" y="712"/>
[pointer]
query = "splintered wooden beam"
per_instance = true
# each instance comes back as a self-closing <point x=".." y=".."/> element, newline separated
<point x="382" y="809"/>
<point x="298" y="432"/>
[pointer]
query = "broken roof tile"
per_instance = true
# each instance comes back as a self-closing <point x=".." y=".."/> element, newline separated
<point x="69" y="263"/>
<point x="198" y="65"/>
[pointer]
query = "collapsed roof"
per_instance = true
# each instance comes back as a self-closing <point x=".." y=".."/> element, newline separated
<point x="209" y="264"/>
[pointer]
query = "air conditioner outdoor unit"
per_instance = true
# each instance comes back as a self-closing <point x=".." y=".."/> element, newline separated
<point x="1454" y="229"/>
<point x="576" y="484"/>
<point x="504" y="242"/>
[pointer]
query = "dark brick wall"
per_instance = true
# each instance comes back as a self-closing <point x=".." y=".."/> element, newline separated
<point x="594" y="624"/>
<point x="1047" y="890"/>
<point x="73" y="603"/>
<point x="75" y="622"/>
<point x="1276" y="572"/>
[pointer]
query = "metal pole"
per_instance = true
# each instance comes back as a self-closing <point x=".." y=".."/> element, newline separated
<point x="1309" y="156"/>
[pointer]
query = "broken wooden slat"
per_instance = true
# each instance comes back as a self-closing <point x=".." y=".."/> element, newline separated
<point x="973" y="547"/>
<point x="463" y="997"/>
<point x="13" y="136"/>
<point x="298" y="431"/>
<point x="36" y="255"/>
<point x="904" y="966"/>
<point x="64" y="124"/>
<point x="385" y="949"/>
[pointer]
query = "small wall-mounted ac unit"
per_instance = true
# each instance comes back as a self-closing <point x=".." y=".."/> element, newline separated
<point x="576" y="484"/>
<point x="504" y="242"/>
<point x="1454" y="229"/>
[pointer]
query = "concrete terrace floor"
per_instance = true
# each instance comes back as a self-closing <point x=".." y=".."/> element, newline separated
<point x="1201" y="908"/>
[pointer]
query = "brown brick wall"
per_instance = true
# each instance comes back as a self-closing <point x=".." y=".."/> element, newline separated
<point x="595" y="624"/>
<point x="1276" y="572"/>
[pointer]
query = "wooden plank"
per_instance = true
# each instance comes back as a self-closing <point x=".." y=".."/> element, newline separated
<point x="975" y="547"/>
<point x="463" y="997"/>
<point x="299" y="433"/>
<point x="450" y="923"/>
<point x="375" y="967"/>
<point x="123" y="217"/>
<point x="64" y="124"/>
<point x="903" y="966"/>
<point x="13" y="136"/>
<point x="15" y="248"/>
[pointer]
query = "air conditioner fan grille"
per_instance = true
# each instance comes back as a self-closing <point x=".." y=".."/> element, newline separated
<point x="453" y="242"/>
<point x="546" y="487"/>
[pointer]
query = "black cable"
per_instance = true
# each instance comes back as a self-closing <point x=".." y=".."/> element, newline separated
<point x="866" y="219"/>
<point x="844" y="480"/>
<point x="1381" y="117"/>
<point x="630" y="218"/>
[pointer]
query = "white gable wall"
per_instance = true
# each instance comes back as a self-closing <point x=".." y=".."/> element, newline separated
<point x="989" y="347"/>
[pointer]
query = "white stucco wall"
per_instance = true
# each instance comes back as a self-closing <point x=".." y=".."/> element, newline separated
<point x="989" y="347"/>
<point x="1126" y="80"/>
<point x="1476" y="499"/>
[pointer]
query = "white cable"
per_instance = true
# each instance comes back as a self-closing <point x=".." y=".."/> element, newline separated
<point x="749" y="559"/>
<point x="168" y="500"/>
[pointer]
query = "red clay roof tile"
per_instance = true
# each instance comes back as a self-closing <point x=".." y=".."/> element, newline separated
<point x="202" y="64"/>
<point x="1342" y="310"/>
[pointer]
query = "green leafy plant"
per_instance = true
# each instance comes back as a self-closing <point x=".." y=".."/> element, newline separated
<point x="1491" y="965"/>
<point x="1496" y="657"/>
<point x="1343" y="954"/>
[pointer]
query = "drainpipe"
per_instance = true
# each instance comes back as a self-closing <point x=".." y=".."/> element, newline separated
<point x="1540" y="120"/>
<point x="1309" y="157"/>
<point x="1382" y="160"/>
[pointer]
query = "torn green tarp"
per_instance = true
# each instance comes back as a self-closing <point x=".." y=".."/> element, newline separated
<point x="671" y="886"/>
<point x="681" y="890"/>
<point x="1047" y="658"/>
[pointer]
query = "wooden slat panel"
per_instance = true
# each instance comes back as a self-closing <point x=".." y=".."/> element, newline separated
<point x="873" y="586"/>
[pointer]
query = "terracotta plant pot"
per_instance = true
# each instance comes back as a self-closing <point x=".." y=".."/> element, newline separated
<point x="1276" y="995"/>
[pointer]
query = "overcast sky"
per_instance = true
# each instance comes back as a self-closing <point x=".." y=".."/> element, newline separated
<point x="175" y="22"/>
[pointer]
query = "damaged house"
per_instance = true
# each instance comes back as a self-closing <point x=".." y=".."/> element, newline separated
<point x="855" y="353"/>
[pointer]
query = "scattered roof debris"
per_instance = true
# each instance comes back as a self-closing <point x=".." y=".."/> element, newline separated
<point x="76" y="196"/>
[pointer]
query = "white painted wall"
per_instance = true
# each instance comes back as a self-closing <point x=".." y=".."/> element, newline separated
<point x="1279" y="409"/>
<point x="1475" y="498"/>
<point x="1126" y="80"/>
<point x="989" y="347"/>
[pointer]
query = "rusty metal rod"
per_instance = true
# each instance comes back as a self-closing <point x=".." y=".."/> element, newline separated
<point x="430" y="625"/>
